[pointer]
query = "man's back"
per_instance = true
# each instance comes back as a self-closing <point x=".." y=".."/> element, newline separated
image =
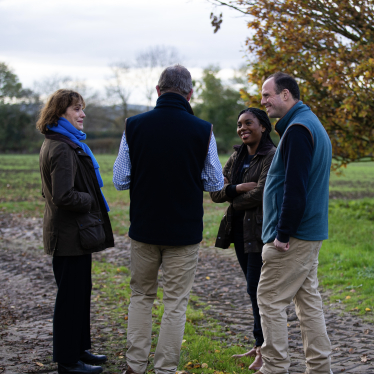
<point x="167" y="157"/>
<point x="167" y="147"/>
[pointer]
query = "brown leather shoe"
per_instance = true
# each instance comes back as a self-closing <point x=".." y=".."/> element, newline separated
<point x="129" y="371"/>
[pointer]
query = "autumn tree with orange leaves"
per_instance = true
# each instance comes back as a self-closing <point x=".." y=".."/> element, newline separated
<point x="328" y="46"/>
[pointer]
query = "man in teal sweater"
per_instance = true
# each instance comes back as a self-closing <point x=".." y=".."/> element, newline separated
<point x="295" y="223"/>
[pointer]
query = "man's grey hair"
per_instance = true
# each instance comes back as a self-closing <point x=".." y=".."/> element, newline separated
<point x="176" y="79"/>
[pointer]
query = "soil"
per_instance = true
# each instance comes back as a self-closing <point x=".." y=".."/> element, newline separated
<point x="27" y="292"/>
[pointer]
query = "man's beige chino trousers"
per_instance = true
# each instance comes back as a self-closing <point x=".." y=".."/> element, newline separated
<point x="287" y="276"/>
<point x="178" y="268"/>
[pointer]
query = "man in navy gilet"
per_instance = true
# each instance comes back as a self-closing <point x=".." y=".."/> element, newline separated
<point x="295" y="223"/>
<point x="167" y="158"/>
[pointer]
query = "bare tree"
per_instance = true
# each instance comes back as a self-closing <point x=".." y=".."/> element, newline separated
<point x="52" y="83"/>
<point x="119" y="90"/>
<point x="150" y="63"/>
<point x="97" y="116"/>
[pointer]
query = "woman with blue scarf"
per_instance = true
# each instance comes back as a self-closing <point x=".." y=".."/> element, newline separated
<point x="76" y="224"/>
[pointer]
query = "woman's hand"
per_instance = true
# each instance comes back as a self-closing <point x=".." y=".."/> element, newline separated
<point x="225" y="180"/>
<point x="245" y="187"/>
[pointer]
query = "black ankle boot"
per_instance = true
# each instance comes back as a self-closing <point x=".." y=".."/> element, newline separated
<point x="89" y="358"/>
<point x="78" y="368"/>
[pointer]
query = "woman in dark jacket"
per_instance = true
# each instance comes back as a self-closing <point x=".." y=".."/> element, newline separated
<point x="76" y="224"/>
<point x="245" y="175"/>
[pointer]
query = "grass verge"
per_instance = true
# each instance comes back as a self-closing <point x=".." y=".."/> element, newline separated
<point x="346" y="259"/>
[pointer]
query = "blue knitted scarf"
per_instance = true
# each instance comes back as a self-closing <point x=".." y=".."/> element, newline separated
<point x="65" y="128"/>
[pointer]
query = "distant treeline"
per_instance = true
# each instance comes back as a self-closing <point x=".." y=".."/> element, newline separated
<point x="19" y="135"/>
<point x="213" y="100"/>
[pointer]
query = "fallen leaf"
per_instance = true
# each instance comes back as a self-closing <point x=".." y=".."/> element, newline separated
<point x="365" y="358"/>
<point x="183" y="341"/>
<point x="367" y="309"/>
<point x="189" y="365"/>
<point x="204" y="366"/>
<point x="347" y="297"/>
<point x="39" y="363"/>
<point x="126" y="318"/>
<point x="207" y="278"/>
<point x="352" y="290"/>
<point x="217" y="351"/>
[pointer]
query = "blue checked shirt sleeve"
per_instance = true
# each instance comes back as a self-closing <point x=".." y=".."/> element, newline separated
<point x="122" y="167"/>
<point x="211" y="175"/>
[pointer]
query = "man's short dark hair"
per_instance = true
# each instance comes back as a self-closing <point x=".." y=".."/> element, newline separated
<point x="284" y="81"/>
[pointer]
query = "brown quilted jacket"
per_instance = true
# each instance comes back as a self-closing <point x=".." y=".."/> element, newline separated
<point x="250" y="201"/>
<point x="75" y="218"/>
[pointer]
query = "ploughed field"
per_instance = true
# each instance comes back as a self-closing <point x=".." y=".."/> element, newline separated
<point x="346" y="259"/>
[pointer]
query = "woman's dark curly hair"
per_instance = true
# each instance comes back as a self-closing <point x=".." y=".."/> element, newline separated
<point x="264" y="121"/>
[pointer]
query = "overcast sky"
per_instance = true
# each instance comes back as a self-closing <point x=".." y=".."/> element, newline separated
<point x="80" y="38"/>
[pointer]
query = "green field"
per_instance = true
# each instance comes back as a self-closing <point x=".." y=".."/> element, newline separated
<point x="346" y="259"/>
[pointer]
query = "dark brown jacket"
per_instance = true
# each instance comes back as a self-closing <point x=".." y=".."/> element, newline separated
<point x="250" y="201"/>
<point x="75" y="218"/>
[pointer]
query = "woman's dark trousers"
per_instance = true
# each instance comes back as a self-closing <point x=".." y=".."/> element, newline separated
<point x="71" y="321"/>
<point x="251" y="264"/>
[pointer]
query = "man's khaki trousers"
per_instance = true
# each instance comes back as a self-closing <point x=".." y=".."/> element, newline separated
<point x="288" y="276"/>
<point x="178" y="268"/>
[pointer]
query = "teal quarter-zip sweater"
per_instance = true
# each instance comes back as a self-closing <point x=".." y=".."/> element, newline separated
<point x="313" y="224"/>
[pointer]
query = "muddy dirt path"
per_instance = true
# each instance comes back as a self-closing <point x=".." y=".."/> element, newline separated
<point x="27" y="292"/>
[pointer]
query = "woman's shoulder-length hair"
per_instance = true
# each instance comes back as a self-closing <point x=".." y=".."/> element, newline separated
<point x="56" y="106"/>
